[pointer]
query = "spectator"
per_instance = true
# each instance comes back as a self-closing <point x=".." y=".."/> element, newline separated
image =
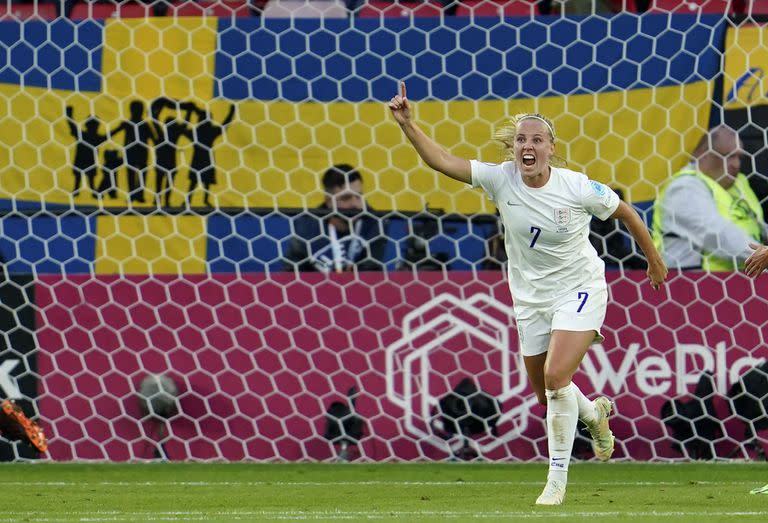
<point x="341" y="235"/>
<point x="707" y="215"/>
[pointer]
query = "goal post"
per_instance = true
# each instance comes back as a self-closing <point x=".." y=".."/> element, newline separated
<point x="154" y="169"/>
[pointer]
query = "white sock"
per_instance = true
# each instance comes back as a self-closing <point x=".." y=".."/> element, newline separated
<point x="587" y="412"/>
<point x="562" y="417"/>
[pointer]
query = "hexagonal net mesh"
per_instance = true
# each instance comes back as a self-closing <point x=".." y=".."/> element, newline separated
<point x="172" y="289"/>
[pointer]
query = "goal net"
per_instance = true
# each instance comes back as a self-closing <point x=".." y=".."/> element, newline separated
<point x="158" y="173"/>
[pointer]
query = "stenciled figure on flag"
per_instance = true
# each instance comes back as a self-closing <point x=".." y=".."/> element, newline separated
<point x="556" y="278"/>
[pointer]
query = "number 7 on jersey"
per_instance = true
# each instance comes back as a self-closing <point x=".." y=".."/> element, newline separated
<point x="535" y="231"/>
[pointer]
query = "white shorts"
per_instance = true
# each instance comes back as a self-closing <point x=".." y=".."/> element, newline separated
<point x="577" y="311"/>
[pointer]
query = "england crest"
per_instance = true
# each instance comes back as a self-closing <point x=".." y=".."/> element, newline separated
<point x="562" y="216"/>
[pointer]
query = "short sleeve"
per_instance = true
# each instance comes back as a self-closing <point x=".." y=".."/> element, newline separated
<point x="486" y="177"/>
<point x="599" y="199"/>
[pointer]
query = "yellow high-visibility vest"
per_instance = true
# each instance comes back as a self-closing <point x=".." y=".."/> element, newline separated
<point x="738" y="204"/>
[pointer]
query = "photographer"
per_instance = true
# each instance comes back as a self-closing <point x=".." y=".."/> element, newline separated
<point x="340" y="235"/>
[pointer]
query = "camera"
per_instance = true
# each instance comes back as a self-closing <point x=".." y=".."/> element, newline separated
<point x="418" y="255"/>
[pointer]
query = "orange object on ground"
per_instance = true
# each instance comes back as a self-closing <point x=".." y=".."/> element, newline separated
<point x="15" y="425"/>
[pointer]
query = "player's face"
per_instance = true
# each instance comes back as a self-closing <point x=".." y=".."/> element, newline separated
<point x="533" y="147"/>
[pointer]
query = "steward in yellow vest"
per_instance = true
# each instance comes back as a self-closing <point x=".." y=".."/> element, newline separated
<point x="713" y="214"/>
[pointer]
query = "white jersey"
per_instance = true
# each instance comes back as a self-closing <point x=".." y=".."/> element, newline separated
<point x="546" y="229"/>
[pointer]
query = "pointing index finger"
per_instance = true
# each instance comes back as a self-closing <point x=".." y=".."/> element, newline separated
<point x="402" y="89"/>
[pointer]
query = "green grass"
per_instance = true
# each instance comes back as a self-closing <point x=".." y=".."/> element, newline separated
<point x="427" y="492"/>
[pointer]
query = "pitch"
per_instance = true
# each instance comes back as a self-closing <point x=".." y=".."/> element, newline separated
<point x="423" y="492"/>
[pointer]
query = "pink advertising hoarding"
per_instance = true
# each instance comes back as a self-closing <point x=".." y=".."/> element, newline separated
<point x="259" y="358"/>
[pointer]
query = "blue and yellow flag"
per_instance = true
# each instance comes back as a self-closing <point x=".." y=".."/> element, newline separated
<point x="746" y="63"/>
<point x="206" y="112"/>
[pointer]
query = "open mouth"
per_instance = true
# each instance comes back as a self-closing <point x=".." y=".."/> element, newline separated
<point x="528" y="159"/>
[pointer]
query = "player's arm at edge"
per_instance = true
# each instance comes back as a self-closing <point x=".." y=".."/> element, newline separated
<point x="657" y="270"/>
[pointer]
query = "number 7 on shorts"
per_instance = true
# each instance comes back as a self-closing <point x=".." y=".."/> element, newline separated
<point x="583" y="298"/>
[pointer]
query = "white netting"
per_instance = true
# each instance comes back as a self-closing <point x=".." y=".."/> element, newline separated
<point x="155" y="171"/>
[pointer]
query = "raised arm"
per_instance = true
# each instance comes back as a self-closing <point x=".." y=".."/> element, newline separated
<point x="430" y="151"/>
<point x="657" y="270"/>
<point x="230" y="116"/>
<point x="71" y="122"/>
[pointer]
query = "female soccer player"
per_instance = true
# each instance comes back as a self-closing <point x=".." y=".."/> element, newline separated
<point x="555" y="276"/>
